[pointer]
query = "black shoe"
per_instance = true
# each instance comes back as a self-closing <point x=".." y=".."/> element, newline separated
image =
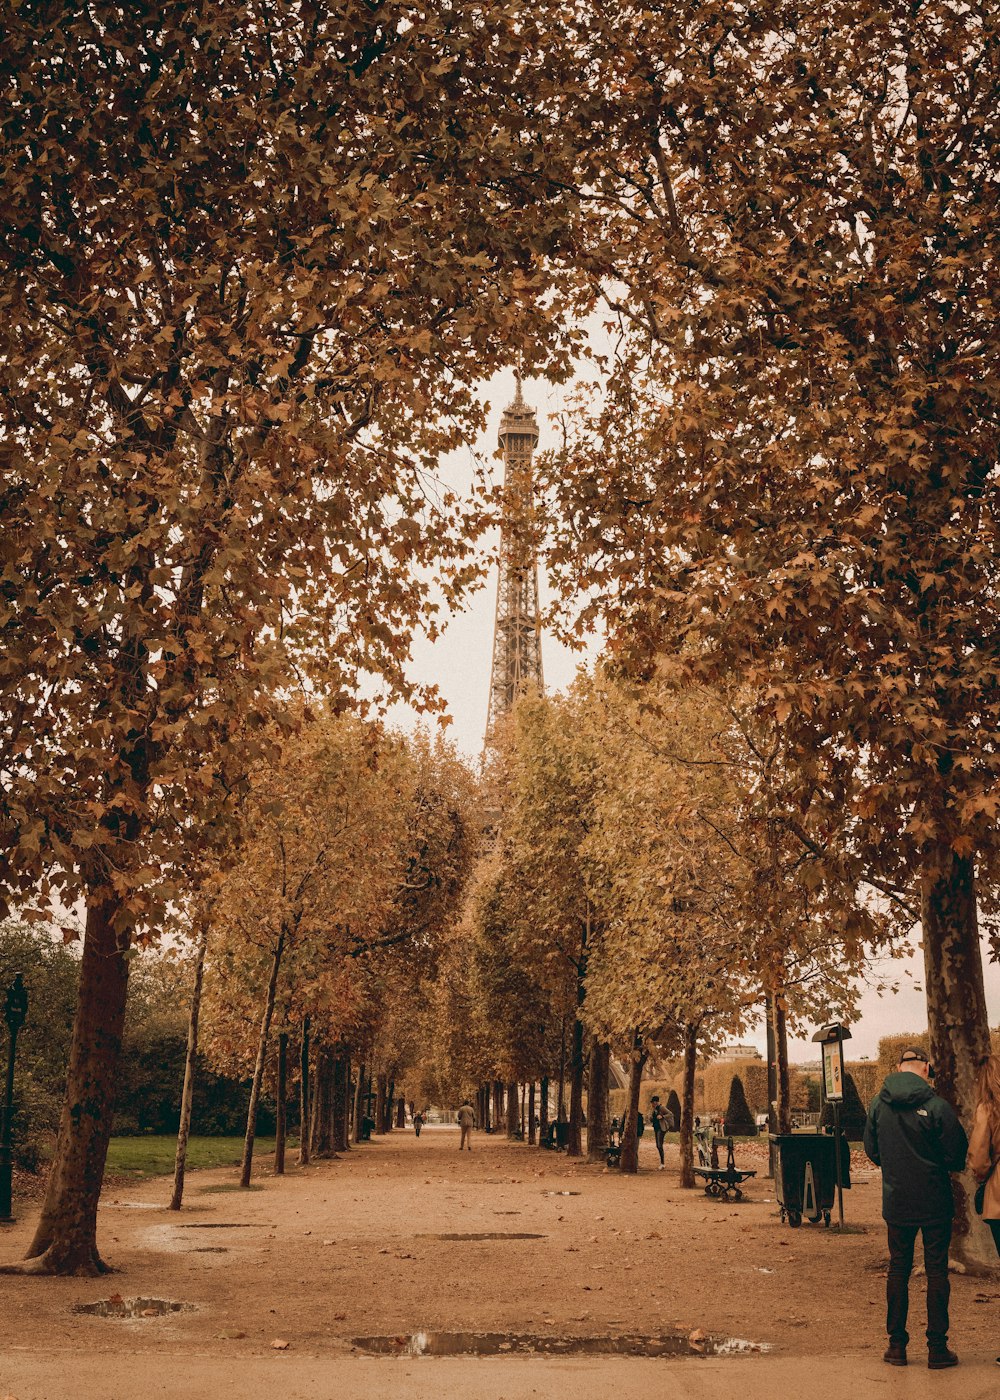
<point x="895" y="1354"/>
<point x="940" y="1358"/>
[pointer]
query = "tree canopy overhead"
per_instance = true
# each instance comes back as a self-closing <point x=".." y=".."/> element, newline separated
<point x="254" y="265"/>
<point x="792" y="212"/>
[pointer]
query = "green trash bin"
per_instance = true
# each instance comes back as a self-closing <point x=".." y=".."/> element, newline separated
<point x="805" y="1174"/>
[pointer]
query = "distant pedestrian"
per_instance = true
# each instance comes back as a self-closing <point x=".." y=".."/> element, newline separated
<point x="916" y="1138"/>
<point x="466" y="1122"/>
<point x="418" y="1123"/>
<point x="663" y="1122"/>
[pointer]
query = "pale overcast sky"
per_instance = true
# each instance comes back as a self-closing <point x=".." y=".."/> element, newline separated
<point x="459" y="663"/>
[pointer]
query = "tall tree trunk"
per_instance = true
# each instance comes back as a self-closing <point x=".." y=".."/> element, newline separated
<point x="772" y="1080"/>
<point x="532" y="1135"/>
<point x="187" y="1093"/>
<point x="338" y="1134"/>
<point x="956" y="1017"/>
<point x="687" y="1105"/>
<point x="322" y="1144"/>
<point x="280" y="1107"/>
<point x="390" y="1095"/>
<point x="629" y="1160"/>
<point x="258" y="1071"/>
<point x="543" y="1109"/>
<point x="597" y="1101"/>
<point x="574" y="1144"/>
<point x="524" y="1092"/>
<point x="782" y="1084"/>
<point x="513" y="1111"/>
<point x="345" y="1131"/>
<point x="304" y="1095"/>
<point x="359" y="1101"/>
<point x="561" y="1096"/>
<point x="65" y="1240"/>
<point x="381" y="1085"/>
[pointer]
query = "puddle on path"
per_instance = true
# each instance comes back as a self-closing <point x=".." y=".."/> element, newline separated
<point x="209" y="1249"/>
<point x="226" y="1188"/>
<point x="486" y="1235"/>
<point x="133" y="1205"/>
<point x="117" y="1306"/>
<point x="226" y="1225"/>
<point x="522" y="1344"/>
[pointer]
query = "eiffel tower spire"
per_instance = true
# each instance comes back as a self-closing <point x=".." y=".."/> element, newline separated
<point x="517" y="635"/>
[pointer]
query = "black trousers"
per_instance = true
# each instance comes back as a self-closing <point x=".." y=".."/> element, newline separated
<point x="937" y="1238"/>
<point x="659" y="1136"/>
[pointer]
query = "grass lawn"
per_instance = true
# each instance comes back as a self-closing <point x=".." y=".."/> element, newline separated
<point x="154" y="1156"/>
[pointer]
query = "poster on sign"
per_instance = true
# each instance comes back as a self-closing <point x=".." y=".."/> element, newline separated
<point x="833" y="1070"/>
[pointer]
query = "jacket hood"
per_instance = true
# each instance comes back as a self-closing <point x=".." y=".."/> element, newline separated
<point x="905" y="1090"/>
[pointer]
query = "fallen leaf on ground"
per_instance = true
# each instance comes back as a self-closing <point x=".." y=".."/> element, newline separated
<point x="279" y="1344"/>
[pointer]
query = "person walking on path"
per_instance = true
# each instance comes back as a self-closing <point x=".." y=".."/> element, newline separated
<point x="466" y="1121"/>
<point x="662" y="1122"/>
<point x="917" y="1140"/>
<point x="418" y="1123"/>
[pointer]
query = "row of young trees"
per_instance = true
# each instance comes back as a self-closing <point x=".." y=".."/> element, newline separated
<point x="648" y="890"/>
<point x="323" y="919"/>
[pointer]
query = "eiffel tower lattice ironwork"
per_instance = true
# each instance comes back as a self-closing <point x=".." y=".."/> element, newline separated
<point x="517" y="635"/>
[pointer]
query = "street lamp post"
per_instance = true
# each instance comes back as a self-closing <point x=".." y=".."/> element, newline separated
<point x="15" y="1011"/>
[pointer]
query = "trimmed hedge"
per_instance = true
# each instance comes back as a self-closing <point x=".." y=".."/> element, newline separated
<point x="618" y="1098"/>
<point x="753" y="1073"/>
<point x="890" y="1047"/>
<point x="867" y="1076"/>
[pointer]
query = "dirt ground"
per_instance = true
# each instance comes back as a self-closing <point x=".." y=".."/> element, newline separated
<point x="353" y="1248"/>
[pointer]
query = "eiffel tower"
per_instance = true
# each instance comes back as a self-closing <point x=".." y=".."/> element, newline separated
<point x="517" y="634"/>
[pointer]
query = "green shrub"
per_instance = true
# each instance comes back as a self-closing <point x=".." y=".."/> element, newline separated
<point x="852" y="1112"/>
<point x="739" y="1121"/>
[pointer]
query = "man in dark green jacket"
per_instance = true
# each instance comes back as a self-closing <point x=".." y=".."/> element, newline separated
<point x="917" y="1140"/>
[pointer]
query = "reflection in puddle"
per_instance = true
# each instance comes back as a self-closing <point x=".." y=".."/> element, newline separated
<point x="117" y="1306"/>
<point x="513" y="1343"/>
<point x="486" y="1235"/>
<point x="224" y="1225"/>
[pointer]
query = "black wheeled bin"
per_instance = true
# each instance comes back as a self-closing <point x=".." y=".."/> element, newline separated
<point x="805" y="1174"/>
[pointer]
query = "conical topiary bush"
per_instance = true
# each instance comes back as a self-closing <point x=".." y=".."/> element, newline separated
<point x="739" y="1121"/>
<point x="852" y="1113"/>
<point x="674" y="1107"/>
